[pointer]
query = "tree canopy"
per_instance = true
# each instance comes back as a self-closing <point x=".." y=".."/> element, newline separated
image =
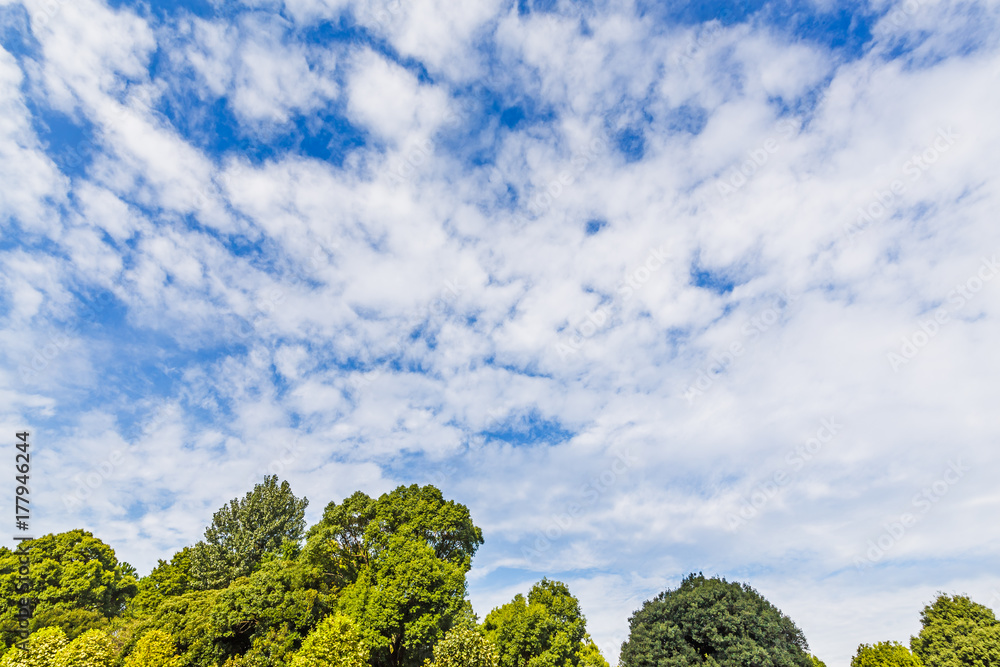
<point x="244" y="531"/>
<point x="76" y="581"/>
<point x="547" y="629"/>
<point x="712" y="622"/>
<point x="884" y="654"/>
<point x="957" y="632"/>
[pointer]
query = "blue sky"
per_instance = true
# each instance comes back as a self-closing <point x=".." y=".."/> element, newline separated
<point x="651" y="288"/>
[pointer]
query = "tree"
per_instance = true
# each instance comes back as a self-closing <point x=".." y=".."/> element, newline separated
<point x="284" y="599"/>
<point x="42" y="649"/>
<point x="154" y="649"/>
<point x="884" y="654"/>
<point x="957" y="632"/>
<point x="464" y="647"/>
<point x="399" y="563"/>
<point x="350" y="535"/>
<point x="816" y="662"/>
<point x="546" y="629"/>
<point x="335" y="641"/>
<point x="166" y="579"/>
<point x="712" y="621"/>
<point x="91" y="649"/>
<point x="244" y="531"/>
<point x="68" y="571"/>
<point x="74" y="622"/>
<point x="187" y="620"/>
<point x="404" y="602"/>
<point x="590" y="655"/>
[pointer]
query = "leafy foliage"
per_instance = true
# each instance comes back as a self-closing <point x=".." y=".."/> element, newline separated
<point x="335" y="641"/>
<point x="350" y="536"/>
<point x="244" y="531"/>
<point x="284" y="597"/>
<point x="68" y="571"/>
<point x="154" y="649"/>
<point x="546" y="629"/>
<point x="957" y="632"/>
<point x="93" y="648"/>
<point x="404" y="602"/>
<point x="74" y="622"/>
<point x="398" y="565"/>
<point x="166" y="579"/>
<point x="884" y="654"/>
<point x="42" y="649"/>
<point x="712" y="621"/>
<point x="464" y="647"/>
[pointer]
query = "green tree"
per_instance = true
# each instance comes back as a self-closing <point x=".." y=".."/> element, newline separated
<point x="166" y="579"/>
<point x="399" y="564"/>
<point x="244" y="531"/>
<point x="68" y="571"/>
<point x="74" y="622"/>
<point x="404" y="602"/>
<point x="884" y="654"/>
<point x="284" y="599"/>
<point x="712" y="622"/>
<point x="590" y="655"/>
<point x="464" y="647"/>
<point x="154" y="649"/>
<point x="187" y="620"/>
<point x="816" y="662"/>
<point x="335" y="641"/>
<point x="349" y="536"/>
<point x="42" y="649"/>
<point x="957" y="632"/>
<point x="93" y="648"/>
<point x="547" y="629"/>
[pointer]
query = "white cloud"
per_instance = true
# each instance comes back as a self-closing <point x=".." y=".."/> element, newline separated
<point x="390" y="308"/>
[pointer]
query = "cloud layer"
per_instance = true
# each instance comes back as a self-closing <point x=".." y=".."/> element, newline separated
<point x="709" y="291"/>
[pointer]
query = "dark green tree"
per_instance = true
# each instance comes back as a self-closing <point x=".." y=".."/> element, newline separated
<point x="712" y="622"/>
<point x="244" y="531"/>
<point x="271" y="611"/>
<point x="957" y="632"/>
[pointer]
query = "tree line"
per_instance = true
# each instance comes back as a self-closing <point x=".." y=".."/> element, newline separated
<point x="381" y="582"/>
